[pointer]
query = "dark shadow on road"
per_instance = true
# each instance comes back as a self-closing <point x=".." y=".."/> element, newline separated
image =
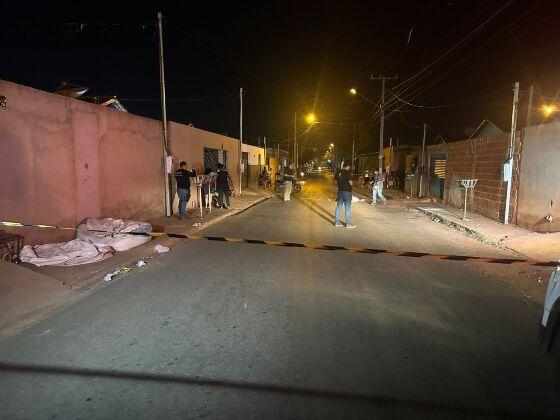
<point x="318" y="210"/>
<point x="377" y="400"/>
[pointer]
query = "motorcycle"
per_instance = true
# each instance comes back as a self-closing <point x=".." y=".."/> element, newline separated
<point x="279" y="185"/>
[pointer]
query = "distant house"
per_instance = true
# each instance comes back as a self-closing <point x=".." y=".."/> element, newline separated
<point x="77" y="92"/>
<point x="486" y="129"/>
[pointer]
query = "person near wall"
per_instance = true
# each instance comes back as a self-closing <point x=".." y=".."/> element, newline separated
<point x="343" y="180"/>
<point x="222" y="186"/>
<point x="377" y="183"/>
<point x="288" y="180"/>
<point x="208" y="189"/>
<point x="183" y="177"/>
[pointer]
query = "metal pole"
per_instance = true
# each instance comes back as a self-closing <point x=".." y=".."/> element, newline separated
<point x="382" y="116"/>
<point x="240" y="135"/>
<point x="382" y="126"/>
<point x="265" y="151"/>
<point x="512" y="148"/>
<point x="353" y="145"/>
<point x="530" y="108"/>
<point x="465" y="208"/>
<point x="422" y="163"/>
<point x="295" y="138"/>
<point x="164" y="117"/>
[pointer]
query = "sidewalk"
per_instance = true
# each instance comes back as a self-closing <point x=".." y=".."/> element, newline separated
<point x="528" y="244"/>
<point x="29" y="293"/>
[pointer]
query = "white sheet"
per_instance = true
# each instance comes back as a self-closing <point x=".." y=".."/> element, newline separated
<point x="74" y="252"/>
<point x="114" y="240"/>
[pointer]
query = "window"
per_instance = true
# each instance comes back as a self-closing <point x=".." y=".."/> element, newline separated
<point x="214" y="156"/>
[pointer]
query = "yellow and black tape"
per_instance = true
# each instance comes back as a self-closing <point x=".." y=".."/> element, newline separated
<point x="422" y="255"/>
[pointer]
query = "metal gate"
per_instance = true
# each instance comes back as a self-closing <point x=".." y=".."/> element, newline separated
<point x="437" y="175"/>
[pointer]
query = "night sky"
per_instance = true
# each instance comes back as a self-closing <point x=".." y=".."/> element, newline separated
<point x="295" y="57"/>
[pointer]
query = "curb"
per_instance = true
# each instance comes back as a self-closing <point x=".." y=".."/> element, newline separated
<point x="473" y="233"/>
<point x="226" y="215"/>
<point x="92" y="283"/>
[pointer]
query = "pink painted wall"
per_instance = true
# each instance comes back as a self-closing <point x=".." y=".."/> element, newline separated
<point x="62" y="160"/>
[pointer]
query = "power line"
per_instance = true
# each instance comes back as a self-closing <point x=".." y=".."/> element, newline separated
<point x="427" y="106"/>
<point x="73" y="24"/>
<point x="204" y="98"/>
<point x="457" y="45"/>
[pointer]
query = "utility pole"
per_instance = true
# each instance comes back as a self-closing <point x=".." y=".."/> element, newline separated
<point x="382" y="116"/>
<point x="422" y="163"/>
<point x="240" y="135"/>
<point x="511" y="152"/>
<point x="353" y="144"/>
<point x="164" y="118"/>
<point x="264" y="150"/>
<point x="295" y="139"/>
<point x="530" y="108"/>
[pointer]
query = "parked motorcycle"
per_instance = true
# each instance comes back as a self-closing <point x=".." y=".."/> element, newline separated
<point x="279" y="185"/>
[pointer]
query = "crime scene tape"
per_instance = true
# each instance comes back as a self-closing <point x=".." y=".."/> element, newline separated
<point x="422" y="255"/>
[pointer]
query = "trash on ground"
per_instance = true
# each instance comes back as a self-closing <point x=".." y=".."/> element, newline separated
<point x="109" y="276"/>
<point x="161" y="249"/>
<point x="140" y="263"/>
<point x="197" y="224"/>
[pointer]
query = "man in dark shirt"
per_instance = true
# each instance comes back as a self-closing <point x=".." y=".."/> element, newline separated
<point x="344" y="182"/>
<point x="183" y="177"/>
<point x="222" y="186"/>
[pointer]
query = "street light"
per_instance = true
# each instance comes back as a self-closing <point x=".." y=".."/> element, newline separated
<point x="548" y="110"/>
<point x="310" y="118"/>
<point x="332" y="144"/>
<point x="354" y="92"/>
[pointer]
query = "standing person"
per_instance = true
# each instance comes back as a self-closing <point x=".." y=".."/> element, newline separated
<point x="378" y="188"/>
<point x="288" y="179"/>
<point x="222" y="186"/>
<point x="344" y="182"/>
<point x="183" y="177"/>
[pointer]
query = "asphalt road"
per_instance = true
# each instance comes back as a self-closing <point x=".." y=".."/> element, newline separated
<point x="222" y="330"/>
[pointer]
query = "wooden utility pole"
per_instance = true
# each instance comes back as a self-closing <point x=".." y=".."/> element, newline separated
<point x="382" y="116"/>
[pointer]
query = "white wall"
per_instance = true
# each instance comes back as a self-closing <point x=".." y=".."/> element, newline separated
<point x="253" y="152"/>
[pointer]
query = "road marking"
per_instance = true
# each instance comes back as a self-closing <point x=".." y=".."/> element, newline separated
<point x="318" y="247"/>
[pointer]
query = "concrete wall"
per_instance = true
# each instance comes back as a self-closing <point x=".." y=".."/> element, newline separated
<point x="187" y="143"/>
<point x="64" y="160"/>
<point x="254" y="152"/>
<point x="480" y="158"/>
<point x="539" y="185"/>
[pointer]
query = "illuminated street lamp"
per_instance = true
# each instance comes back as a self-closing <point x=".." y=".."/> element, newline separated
<point x="310" y="118"/>
<point x="548" y="110"/>
<point x="354" y="92"/>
